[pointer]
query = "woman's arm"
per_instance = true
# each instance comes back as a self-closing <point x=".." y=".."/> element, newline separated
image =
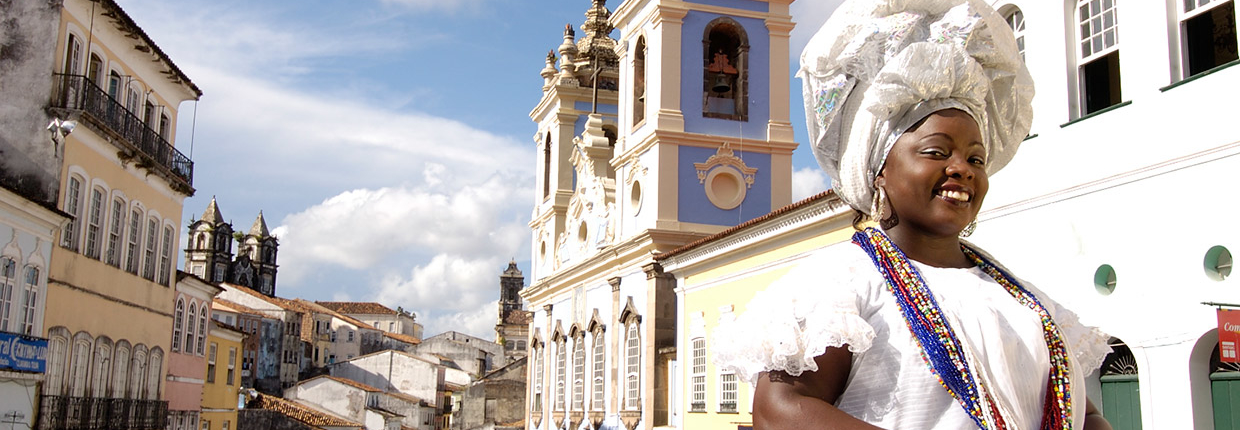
<point x="806" y="402"/>
<point x="1093" y="417"/>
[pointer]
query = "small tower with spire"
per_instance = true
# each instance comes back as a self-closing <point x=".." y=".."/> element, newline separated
<point x="512" y="328"/>
<point x="209" y="254"/>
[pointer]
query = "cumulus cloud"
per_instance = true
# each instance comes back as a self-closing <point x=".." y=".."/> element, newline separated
<point x="479" y="322"/>
<point x="808" y="181"/>
<point x="809" y="16"/>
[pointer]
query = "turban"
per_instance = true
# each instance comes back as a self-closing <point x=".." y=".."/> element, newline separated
<point x="877" y="67"/>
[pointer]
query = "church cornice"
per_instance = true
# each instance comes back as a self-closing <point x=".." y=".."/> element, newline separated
<point x="708" y="141"/>
<point x="636" y="251"/>
<point x="561" y="98"/>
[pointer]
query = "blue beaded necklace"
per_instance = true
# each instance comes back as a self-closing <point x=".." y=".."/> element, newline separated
<point x="943" y="351"/>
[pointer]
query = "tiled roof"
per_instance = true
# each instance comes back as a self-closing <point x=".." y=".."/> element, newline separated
<point x="326" y="310"/>
<point x="365" y="308"/>
<point x="352" y="383"/>
<point x="234" y="306"/>
<point x="283" y="304"/>
<point x="403" y="338"/>
<point x="405" y="397"/>
<point x="823" y="196"/>
<point x="299" y="412"/>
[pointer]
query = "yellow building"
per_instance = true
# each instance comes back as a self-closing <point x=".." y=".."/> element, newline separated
<point x="715" y="278"/>
<point x="111" y="279"/>
<point x="223" y="377"/>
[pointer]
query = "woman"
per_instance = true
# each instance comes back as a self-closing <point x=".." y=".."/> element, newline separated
<point x="912" y="106"/>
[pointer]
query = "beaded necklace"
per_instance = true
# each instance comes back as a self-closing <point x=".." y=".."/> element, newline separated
<point x="943" y="351"/>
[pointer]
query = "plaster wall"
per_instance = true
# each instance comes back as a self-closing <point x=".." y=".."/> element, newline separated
<point x="31" y="162"/>
<point x="391" y="371"/>
<point x="327" y="395"/>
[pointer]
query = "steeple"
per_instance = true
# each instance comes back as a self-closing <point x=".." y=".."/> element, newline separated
<point x="596" y="41"/>
<point x="212" y="214"/>
<point x="260" y="226"/>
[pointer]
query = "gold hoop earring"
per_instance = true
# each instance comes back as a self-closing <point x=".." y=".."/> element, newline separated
<point x="878" y="205"/>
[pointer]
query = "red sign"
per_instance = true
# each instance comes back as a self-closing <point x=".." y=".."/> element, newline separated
<point x="1228" y="335"/>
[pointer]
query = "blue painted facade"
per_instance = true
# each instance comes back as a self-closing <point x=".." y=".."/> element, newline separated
<point x="759" y="109"/>
<point x="693" y="205"/>
<point x="22" y="353"/>
<point x="750" y="5"/>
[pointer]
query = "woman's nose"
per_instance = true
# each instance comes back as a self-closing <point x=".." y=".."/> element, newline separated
<point x="959" y="168"/>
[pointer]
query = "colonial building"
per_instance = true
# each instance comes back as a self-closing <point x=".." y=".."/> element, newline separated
<point x="257" y="360"/>
<point x="676" y="130"/>
<point x="187" y="360"/>
<point x="398" y="321"/>
<point x="1113" y="205"/>
<point x="223" y="383"/>
<point x="283" y="338"/>
<point x="111" y="272"/>
<point x="512" y="328"/>
<point x="210" y="252"/>
<point x="475" y="356"/>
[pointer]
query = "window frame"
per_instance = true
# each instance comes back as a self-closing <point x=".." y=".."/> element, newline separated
<point x="697" y="375"/>
<point x="8" y="284"/>
<point x="94" y="223"/>
<point x="73" y="206"/>
<point x="632" y="371"/>
<point x="116" y="229"/>
<point x="32" y="286"/>
<point x="178" y="319"/>
<point x="1084" y="33"/>
<point x="1182" y="17"/>
<point x="133" y="249"/>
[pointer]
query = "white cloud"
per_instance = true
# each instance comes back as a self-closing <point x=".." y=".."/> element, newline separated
<point x="809" y="16"/>
<point x="364" y="228"/>
<point x="808" y="181"/>
<point x="479" y="322"/>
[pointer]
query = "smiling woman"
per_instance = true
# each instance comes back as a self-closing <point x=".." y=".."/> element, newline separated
<point x="911" y="106"/>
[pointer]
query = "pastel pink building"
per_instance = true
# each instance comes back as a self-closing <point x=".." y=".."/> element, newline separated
<point x="187" y="361"/>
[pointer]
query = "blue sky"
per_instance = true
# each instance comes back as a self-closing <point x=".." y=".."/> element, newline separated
<point x="387" y="142"/>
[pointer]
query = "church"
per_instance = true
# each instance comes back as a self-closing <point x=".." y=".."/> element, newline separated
<point x="674" y="131"/>
<point x="210" y="256"/>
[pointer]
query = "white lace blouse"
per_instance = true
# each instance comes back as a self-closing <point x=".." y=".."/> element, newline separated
<point x="836" y="297"/>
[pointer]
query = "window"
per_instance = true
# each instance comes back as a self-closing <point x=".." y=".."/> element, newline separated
<point x="596" y="372"/>
<point x="1016" y="19"/>
<point x="1099" y="55"/>
<point x="148" y="257"/>
<point x="113" y="256"/>
<point x="1208" y="32"/>
<point x="29" y="300"/>
<point x="232" y="365"/>
<point x="220" y="270"/>
<point x="94" y="219"/>
<point x="155" y="374"/>
<point x="94" y="69"/>
<point x="101" y="368"/>
<point x="8" y="283"/>
<point x="560" y="374"/>
<point x="632" y="368"/>
<point x="73" y="56"/>
<point x="189" y="328"/>
<point x="206" y="424"/>
<point x="56" y="349"/>
<point x="120" y="372"/>
<point x="211" y="363"/>
<point x="165" y="257"/>
<point x="536" y="405"/>
<point x="178" y="319"/>
<point x="698" y="381"/>
<point x="349" y="336"/>
<point x="165" y="127"/>
<point x="79" y="365"/>
<point x="725" y="50"/>
<point x="392" y="327"/>
<point x="579" y="373"/>
<point x="727" y="392"/>
<point x="202" y="329"/>
<point x="135" y="232"/>
<point x="131" y="101"/>
<point x="72" y="206"/>
<point x="137" y="373"/>
<point x="639" y="81"/>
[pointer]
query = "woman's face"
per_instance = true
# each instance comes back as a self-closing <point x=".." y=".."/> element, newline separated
<point x="935" y="176"/>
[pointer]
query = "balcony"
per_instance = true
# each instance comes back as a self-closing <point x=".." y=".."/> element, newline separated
<point x="90" y="413"/>
<point x="135" y="138"/>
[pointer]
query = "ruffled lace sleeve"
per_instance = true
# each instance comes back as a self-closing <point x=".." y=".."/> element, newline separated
<point x="1088" y="343"/>
<point x="793" y="321"/>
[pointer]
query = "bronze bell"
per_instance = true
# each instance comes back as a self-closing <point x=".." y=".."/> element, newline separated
<point x="721" y="84"/>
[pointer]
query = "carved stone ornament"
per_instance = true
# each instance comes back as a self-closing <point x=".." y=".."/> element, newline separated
<point x="725" y="157"/>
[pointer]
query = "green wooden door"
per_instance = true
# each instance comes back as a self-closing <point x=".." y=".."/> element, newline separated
<point x="1121" y="401"/>
<point x="1225" y="392"/>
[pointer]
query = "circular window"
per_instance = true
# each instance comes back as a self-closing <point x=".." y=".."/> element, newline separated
<point x="725" y="188"/>
<point x="581" y="231"/>
<point x="1104" y="279"/>
<point x="635" y="196"/>
<point x="1218" y="263"/>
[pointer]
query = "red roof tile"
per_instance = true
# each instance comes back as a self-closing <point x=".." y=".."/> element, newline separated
<point x="365" y="308"/>
<point x="299" y="412"/>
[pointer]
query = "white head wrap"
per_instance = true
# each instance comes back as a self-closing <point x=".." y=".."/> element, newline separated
<point x="877" y="67"/>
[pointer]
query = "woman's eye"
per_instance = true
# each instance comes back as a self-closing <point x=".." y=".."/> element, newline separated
<point x="934" y="152"/>
<point x="978" y="161"/>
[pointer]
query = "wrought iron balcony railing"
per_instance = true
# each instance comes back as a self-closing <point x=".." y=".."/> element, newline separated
<point x="95" y="413"/>
<point x="152" y="150"/>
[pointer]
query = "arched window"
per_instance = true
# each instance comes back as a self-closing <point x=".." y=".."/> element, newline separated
<point x="94" y="223"/>
<point x="79" y="364"/>
<point x="202" y="329"/>
<point x="73" y="56"/>
<point x="697" y="401"/>
<point x="1098" y="55"/>
<point x="133" y="250"/>
<point x="8" y="284"/>
<point x="725" y="59"/>
<point x="115" y="230"/>
<point x="561" y="370"/>
<point x="114" y="87"/>
<point x="94" y="70"/>
<point x="639" y="81"/>
<point x="1016" y="19"/>
<point x="1207" y="34"/>
<point x="137" y="372"/>
<point x="190" y="323"/>
<point x="57" y="358"/>
<point x="1121" y="398"/>
<point x="148" y="255"/>
<point x="178" y="319"/>
<point x="154" y="370"/>
<point x="579" y="371"/>
<point x="632" y="367"/>
<point x="165" y="257"/>
<point x="73" y="206"/>
<point x="596" y="371"/>
<point x="30" y="301"/>
<point x="537" y="352"/>
<point x="101" y="367"/>
<point x="547" y="165"/>
<point x="201" y="241"/>
<point x="120" y="370"/>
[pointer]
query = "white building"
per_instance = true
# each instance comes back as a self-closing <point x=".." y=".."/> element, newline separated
<point x="1117" y="203"/>
<point x="406" y="374"/>
<point x="351" y="400"/>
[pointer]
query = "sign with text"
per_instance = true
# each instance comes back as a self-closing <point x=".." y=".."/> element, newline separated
<point x="22" y="353"/>
<point x="1228" y="335"/>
